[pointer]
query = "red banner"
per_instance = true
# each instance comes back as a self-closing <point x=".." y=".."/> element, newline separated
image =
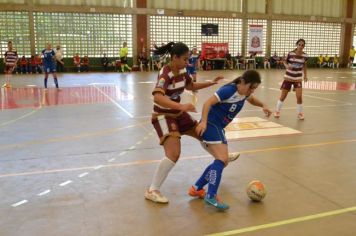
<point x="213" y="50"/>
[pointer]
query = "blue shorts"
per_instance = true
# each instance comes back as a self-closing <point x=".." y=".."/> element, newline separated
<point x="214" y="134"/>
<point x="49" y="68"/>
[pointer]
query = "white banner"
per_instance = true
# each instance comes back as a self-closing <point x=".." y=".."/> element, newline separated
<point x="256" y="39"/>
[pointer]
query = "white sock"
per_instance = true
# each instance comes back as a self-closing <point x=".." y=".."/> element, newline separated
<point x="279" y="105"/>
<point x="299" y="108"/>
<point x="161" y="173"/>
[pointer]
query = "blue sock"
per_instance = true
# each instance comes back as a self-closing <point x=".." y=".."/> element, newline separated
<point x="204" y="178"/>
<point x="215" y="176"/>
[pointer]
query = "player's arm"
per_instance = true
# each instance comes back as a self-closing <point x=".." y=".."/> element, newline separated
<point x="200" y="129"/>
<point x="305" y="72"/>
<point x="162" y="100"/>
<point x="254" y="101"/>
<point x="197" y="86"/>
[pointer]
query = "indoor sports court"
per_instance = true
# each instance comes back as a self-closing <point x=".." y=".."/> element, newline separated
<point x="77" y="159"/>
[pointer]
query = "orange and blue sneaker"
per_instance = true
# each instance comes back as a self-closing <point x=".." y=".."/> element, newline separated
<point x="196" y="193"/>
<point x="216" y="202"/>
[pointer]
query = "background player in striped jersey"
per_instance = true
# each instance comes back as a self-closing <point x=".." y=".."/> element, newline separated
<point x="218" y="111"/>
<point x="296" y="69"/>
<point x="49" y="64"/>
<point x="170" y="118"/>
<point x="10" y="61"/>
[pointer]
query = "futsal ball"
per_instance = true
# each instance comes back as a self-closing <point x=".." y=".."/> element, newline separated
<point x="256" y="191"/>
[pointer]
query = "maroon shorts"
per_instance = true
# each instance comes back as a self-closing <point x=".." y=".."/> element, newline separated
<point x="167" y="125"/>
<point x="287" y="85"/>
<point x="8" y="69"/>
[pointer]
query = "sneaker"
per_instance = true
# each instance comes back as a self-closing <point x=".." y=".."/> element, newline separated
<point x="277" y="114"/>
<point x="301" y="116"/>
<point x="6" y="85"/>
<point x="233" y="156"/>
<point x="196" y="193"/>
<point x="216" y="203"/>
<point x="155" y="196"/>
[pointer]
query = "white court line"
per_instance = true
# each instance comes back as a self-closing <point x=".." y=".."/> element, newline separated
<point x="326" y="99"/>
<point x="83" y="174"/>
<point x="286" y="222"/>
<point x="139" y="142"/>
<point x="132" y="147"/>
<point x="111" y="160"/>
<point x="122" y="153"/>
<point x="44" y="192"/>
<point x="65" y="183"/>
<point x="98" y="167"/>
<point x="19" y="203"/>
<point x="113" y="101"/>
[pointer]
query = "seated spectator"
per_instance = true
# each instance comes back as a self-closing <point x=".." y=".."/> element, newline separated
<point x="143" y="60"/>
<point x="39" y="64"/>
<point x="85" y="64"/>
<point x="327" y="61"/>
<point x="23" y="64"/>
<point x="105" y="62"/>
<point x="335" y="61"/>
<point x="321" y="61"/>
<point x="275" y="61"/>
<point x="239" y="60"/>
<point x="76" y="62"/>
<point x="229" y="61"/>
<point x="33" y="64"/>
<point x="266" y="63"/>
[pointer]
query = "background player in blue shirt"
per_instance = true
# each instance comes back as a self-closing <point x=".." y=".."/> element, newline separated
<point x="218" y="111"/>
<point x="49" y="64"/>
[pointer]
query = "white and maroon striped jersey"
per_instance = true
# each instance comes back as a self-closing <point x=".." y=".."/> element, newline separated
<point x="172" y="86"/>
<point x="297" y="62"/>
<point x="10" y="58"/>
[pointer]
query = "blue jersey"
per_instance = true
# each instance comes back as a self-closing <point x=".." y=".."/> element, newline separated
<point x="48" y="57"/>
<point x="229" y="105"/>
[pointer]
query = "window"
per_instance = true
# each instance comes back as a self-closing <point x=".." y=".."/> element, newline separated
<point x="164" y="29"/>
<point x="14" y="26"/>
<point x="85" y="34"/>
<point x="320" y="38"/>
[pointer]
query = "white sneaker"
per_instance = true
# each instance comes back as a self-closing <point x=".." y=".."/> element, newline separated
<point x="233" y="156"/>
<point x="155" y="196"/>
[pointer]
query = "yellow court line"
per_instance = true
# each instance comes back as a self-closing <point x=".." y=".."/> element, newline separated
<point x="67" y="138"/>
<point x="19" y="118"/>
<point x="140" y="162"/>
<point x="285" y="222"/>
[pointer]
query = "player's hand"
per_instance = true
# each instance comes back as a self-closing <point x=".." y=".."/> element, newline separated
<point x="201" y="127"/>
<point x="267" y="111"/>
<point x="188" y="107"/>
<point x="217" y="79"/>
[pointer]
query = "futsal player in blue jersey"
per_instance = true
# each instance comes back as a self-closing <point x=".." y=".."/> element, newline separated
<point x="191" y="67"/>
<point x="49" y="64"/>
<point x="218" y="111"/>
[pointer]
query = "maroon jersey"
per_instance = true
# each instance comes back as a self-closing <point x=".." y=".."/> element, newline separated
<point x="297" y="62"/>
<point x="172" y="86"/>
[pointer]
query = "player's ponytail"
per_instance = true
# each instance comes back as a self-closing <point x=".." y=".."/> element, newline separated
<point x="250" y="77"/>
<point x="172" y="48"/>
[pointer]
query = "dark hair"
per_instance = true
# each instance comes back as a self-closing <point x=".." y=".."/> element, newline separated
<point x="172" y="48"/>
<point x="300" y="40"/>
<point x="250" y="77"/>
<point x="9" y="42"/>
